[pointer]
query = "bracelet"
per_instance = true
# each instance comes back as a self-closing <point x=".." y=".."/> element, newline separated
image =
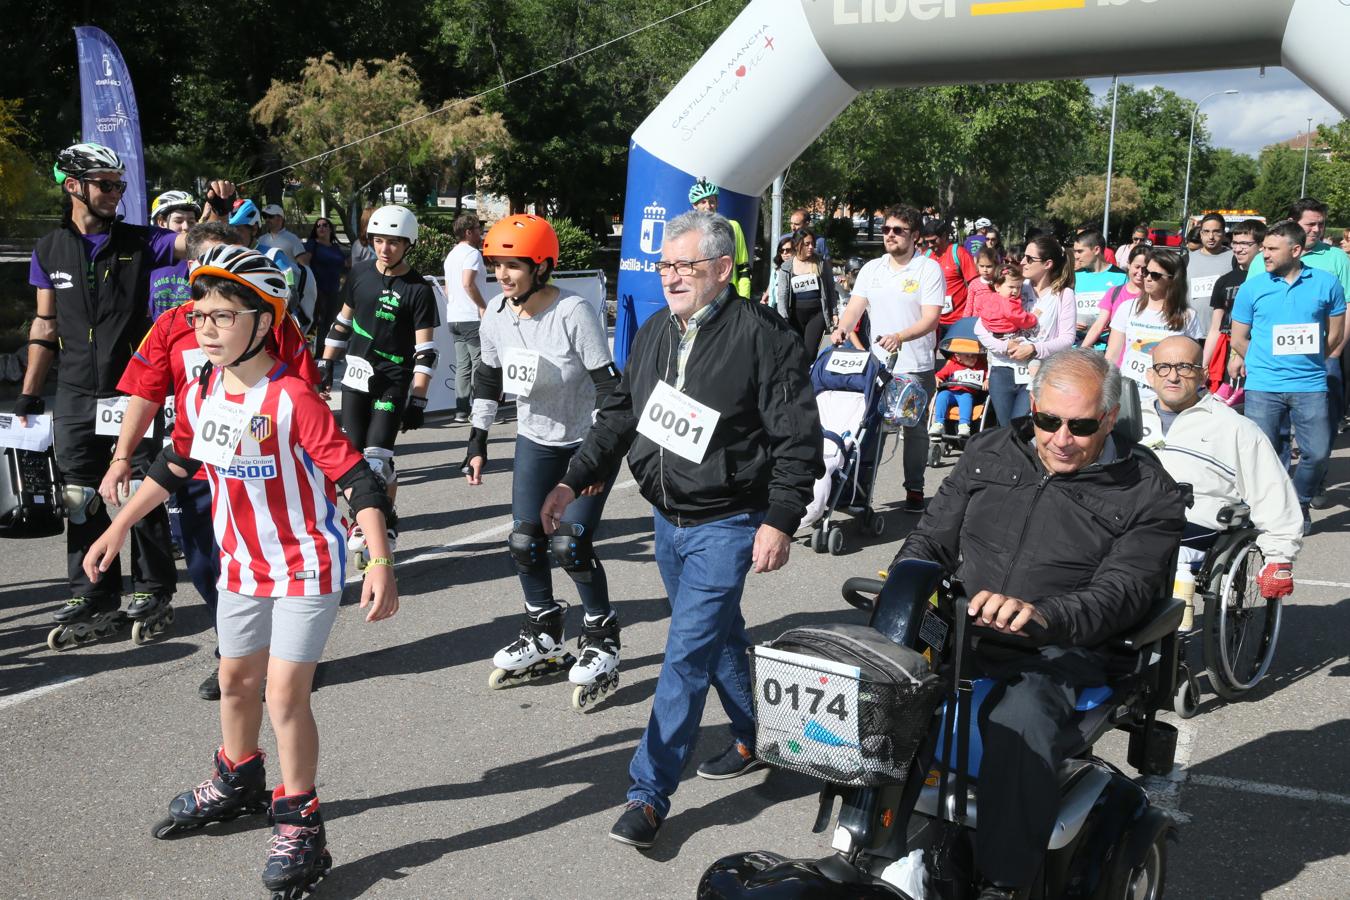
<point x="121" y="459"/>
<point x="380" y="561"/>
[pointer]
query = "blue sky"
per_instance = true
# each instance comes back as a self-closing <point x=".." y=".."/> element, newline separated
<point x="1268" y="110"/>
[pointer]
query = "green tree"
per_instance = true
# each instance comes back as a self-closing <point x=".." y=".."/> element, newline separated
<point x="1083" y="199"/>
<point x="18" y="175"/>
<point x="1231" y="178"/>
<point x="1280" y="174"/>
<point x="1333" y="181"/>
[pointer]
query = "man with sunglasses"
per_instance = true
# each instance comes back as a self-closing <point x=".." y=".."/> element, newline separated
<point x="1226" y="460"/>
<point x="1052" y="521"/>
<point x="92" y="277"/>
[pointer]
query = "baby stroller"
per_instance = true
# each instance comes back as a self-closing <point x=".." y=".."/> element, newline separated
<point x="849" y="385"/>
<point x="959" y="338"/>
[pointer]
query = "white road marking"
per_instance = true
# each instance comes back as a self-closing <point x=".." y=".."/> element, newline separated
<point x="16" y="699"/>
<point x="1336" y="584"/>
<point x="1270" y="790"/>
<point x="451" y="546"/>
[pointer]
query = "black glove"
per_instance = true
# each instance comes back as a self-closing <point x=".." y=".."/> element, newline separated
<point x="28" y="405"/>
<point x="325" y="374"/>
<point x="219" y="205"/>
<point x="415" y="413"/>
<point x="477" y="447"/>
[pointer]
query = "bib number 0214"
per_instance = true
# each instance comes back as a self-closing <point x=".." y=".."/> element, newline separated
<point x="803" y="698"/>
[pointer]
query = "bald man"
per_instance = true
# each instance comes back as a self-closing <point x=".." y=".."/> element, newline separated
<point x="1227" y="460"/>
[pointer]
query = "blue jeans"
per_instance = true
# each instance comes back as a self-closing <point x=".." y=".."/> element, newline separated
<point x="1307" y="410"/>
<point x="538" y="469"/>
<point x="704" y="568"/>
<point x="942" y="404"/>
<point x="1009" y="399"/>
<point x="1335" y="391"/>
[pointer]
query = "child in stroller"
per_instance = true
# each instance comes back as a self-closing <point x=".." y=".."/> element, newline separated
<point x="962" y="389"/>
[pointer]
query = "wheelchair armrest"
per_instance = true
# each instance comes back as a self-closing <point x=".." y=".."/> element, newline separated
<point x="1161" y="621"/>
<point x="1237" y="514"/>
<point x="1032" y="636"/>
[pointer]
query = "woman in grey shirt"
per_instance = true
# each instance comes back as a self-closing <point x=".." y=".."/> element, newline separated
<point x="550" y="350"/>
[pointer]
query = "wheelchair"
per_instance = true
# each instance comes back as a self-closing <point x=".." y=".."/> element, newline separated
<point x="1238" y="627"/>
<point x="913" y="837"/>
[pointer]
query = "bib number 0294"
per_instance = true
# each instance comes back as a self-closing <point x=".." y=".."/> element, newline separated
<point x="803" y="698"/>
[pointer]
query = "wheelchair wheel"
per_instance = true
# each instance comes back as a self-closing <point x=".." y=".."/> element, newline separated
<point x="1241" y="626"/>
<point x="1144" y="880"/>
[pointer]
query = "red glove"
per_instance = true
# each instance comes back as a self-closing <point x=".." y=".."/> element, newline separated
<point x="1276" y="580"/>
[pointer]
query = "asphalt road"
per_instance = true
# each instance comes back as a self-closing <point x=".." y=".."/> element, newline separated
<point x="435" y="786"/>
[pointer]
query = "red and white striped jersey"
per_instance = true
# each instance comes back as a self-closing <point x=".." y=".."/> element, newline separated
<point x="275" y="509"/>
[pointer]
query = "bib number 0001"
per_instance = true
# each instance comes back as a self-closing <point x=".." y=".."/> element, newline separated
<point x="678" y="423"/>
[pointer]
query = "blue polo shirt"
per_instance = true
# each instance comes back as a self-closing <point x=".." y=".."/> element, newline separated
<point x="1268" y="302"/>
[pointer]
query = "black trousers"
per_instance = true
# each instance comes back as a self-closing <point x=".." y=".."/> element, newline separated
<point x="1025" y="725"/>
<point x="83" y="458"/>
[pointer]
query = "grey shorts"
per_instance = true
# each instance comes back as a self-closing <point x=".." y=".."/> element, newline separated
<point x="292" y="628"/>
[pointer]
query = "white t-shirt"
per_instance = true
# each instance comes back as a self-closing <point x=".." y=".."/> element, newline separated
<point x="459" y="306"/>
<point x="284" y="241"/>
<point x="894" y="301"/>
<point x="1144" y="331"/>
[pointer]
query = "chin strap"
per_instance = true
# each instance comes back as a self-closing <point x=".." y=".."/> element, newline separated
<point x="535" y="287"/>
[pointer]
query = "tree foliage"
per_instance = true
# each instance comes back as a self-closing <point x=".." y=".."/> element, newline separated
<point x="18" y="175"/>
<point x="1083" y="199"/>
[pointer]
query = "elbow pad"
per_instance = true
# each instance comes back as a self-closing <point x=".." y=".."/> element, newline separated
<point x="605" y="379"/>
<point x="424" y="358"/>
<point x="367" y="491"/>
<point x="487" y="383"/>
<point x="338" y="333"/>
<point x="161" y="474"/>
<point x="45" y="344"/>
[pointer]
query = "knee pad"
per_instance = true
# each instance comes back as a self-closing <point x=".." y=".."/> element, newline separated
<point x="382" y="462"/>
<point x="80" y="502"/>
<point x="571" y="549"/>
<point x="528" y="545"/>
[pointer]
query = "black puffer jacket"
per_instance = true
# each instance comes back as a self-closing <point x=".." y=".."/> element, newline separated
<point x="766" y="451"/>
<point x="1091" y="550"/>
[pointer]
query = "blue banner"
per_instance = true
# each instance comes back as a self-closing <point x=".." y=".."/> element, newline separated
<point x="658" y="192"/>
<point x="109" y="114"/>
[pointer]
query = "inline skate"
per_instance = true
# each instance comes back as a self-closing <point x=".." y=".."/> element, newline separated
<point x="150" y="615"/>
<point x="297" y="852"/>
<point x="80" y="621"/>
<point x="537" y="653"/>
<point x="234" y="790"/>
<point x="596" y="673"/>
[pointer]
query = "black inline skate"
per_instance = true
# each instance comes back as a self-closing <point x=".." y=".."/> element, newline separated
<point x="150" y="615"/>
<point x="297" y="852"/>
<point x="81" y="621"/>
<point x="538" y="652"/>
<point x="231" y="792"/>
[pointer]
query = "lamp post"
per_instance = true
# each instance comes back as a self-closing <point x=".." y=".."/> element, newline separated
<point x="1190" y="147"/>
<point x="1307" y="142"/>
<point x="1110" y="158"/>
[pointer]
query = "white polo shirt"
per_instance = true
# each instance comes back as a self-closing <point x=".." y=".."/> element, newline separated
<point x="895" y="297"/>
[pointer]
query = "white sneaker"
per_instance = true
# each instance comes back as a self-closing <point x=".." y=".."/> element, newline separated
<point x="935" y="430"/>
<point x="963" y="431"/>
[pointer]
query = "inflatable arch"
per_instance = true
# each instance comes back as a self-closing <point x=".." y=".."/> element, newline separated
<point x="784" y="69"/>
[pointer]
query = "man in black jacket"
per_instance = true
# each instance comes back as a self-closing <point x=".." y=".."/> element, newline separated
<point x="726" y="445"/>
<point x="1052" y="520"/>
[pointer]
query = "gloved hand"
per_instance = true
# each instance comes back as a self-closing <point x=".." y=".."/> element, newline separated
<point x="28" y="405"/>
<point x="325" y="367"/>
<point x="415" y="413"/>
<point x="1276" y="580"/>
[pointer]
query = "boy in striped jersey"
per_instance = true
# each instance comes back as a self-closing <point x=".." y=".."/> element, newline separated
<point x="275" y="461"/>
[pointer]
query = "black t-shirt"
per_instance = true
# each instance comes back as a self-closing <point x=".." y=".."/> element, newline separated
<point x="387" y="312"/>
<point x="1225" y="290"/>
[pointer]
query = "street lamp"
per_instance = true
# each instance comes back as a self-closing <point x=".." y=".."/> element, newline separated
<point x="1190" y="146"/>
<point x="1307" y="142"/>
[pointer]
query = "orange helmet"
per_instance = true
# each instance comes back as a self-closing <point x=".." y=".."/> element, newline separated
<point x="526" y="236"/>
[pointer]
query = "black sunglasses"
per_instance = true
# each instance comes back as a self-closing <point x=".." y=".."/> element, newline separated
<point x="106" y="186"/>
<point x="1157" y="276"/>
<point x="1077" y="427"/>
<point x="895" y="229"/>
<point x="1026" y="257"/>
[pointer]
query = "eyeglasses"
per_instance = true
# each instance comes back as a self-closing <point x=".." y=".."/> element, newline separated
<point x="1157" y="276"/>
<point x="681" y="267"/>
<point x="787" y="251"/>
<point x="221" y="318"/>
<point x="1185" y="370"/>
<point x="106" y="186"/>
<point x="1026" y="257"/>
<point x="1077" y="427"/>
<point x="928" y="242"/>
<point x="896" y="229"/>
<point x="1244" y="243"/>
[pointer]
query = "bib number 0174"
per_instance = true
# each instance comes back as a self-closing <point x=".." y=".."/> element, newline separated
<point x="803" y="698"/>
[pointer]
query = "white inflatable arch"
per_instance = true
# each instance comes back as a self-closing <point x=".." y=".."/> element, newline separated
<point x="785" y="68"/>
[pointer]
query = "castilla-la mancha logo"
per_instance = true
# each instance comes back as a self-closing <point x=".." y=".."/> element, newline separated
<point x="653" y="227"/>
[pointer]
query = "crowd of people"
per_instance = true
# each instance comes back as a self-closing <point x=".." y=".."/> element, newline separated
<point x="188" y="382"/>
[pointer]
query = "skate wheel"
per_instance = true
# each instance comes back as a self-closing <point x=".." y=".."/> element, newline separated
<point x="497" y="679"/>
<point x="140" y="634"/>
<point x="164" y="829"/>
<point x="580" y="697"/>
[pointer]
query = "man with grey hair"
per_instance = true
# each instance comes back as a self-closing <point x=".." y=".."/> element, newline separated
<point x="1055" y="525"/>
<point x="720" y="427"/>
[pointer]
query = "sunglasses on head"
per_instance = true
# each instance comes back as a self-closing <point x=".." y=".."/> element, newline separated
<point x="1077" y="427"/>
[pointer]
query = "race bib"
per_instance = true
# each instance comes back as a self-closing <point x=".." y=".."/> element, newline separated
<point x="1296" y="340"/>
<point x="806" y="707"/>
<point x="971" y="377"/>
<point x="520" y="370"/>
<point x="220" y="426"/>
<point x="250" y="468"/>
<point x="1089" y="304"/>
<point x="194" y="361"/>
<point x="1021" y="372"/>
<point x="170" y="413"/>
<point x="802" y="284"/>
<point x="678" y="423"/>
<point x="357" y="376"/>
<point x="109" y="413"/>
<point x="1135" y="366"/>
<point x="947" y="304"/>
<point x="1203" y="288"/>
<point x="846" y="363"/>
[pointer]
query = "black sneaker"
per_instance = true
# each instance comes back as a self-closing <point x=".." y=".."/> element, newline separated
<point x="638" y="825"/>
<point x="461" y="418"/>
<point x="913" y="501"/>
<point x="1321" y="501"/>
<point x="733" y="762"/>
<point x="210" y="688"/>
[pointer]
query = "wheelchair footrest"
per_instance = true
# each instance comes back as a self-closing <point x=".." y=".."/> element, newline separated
<point x="1153" y="748"/>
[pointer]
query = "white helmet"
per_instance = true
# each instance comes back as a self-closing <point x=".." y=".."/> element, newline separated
<point x="169" y="201"/>
<point x="982" y="223"/>
<point x="393" y="221"/>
